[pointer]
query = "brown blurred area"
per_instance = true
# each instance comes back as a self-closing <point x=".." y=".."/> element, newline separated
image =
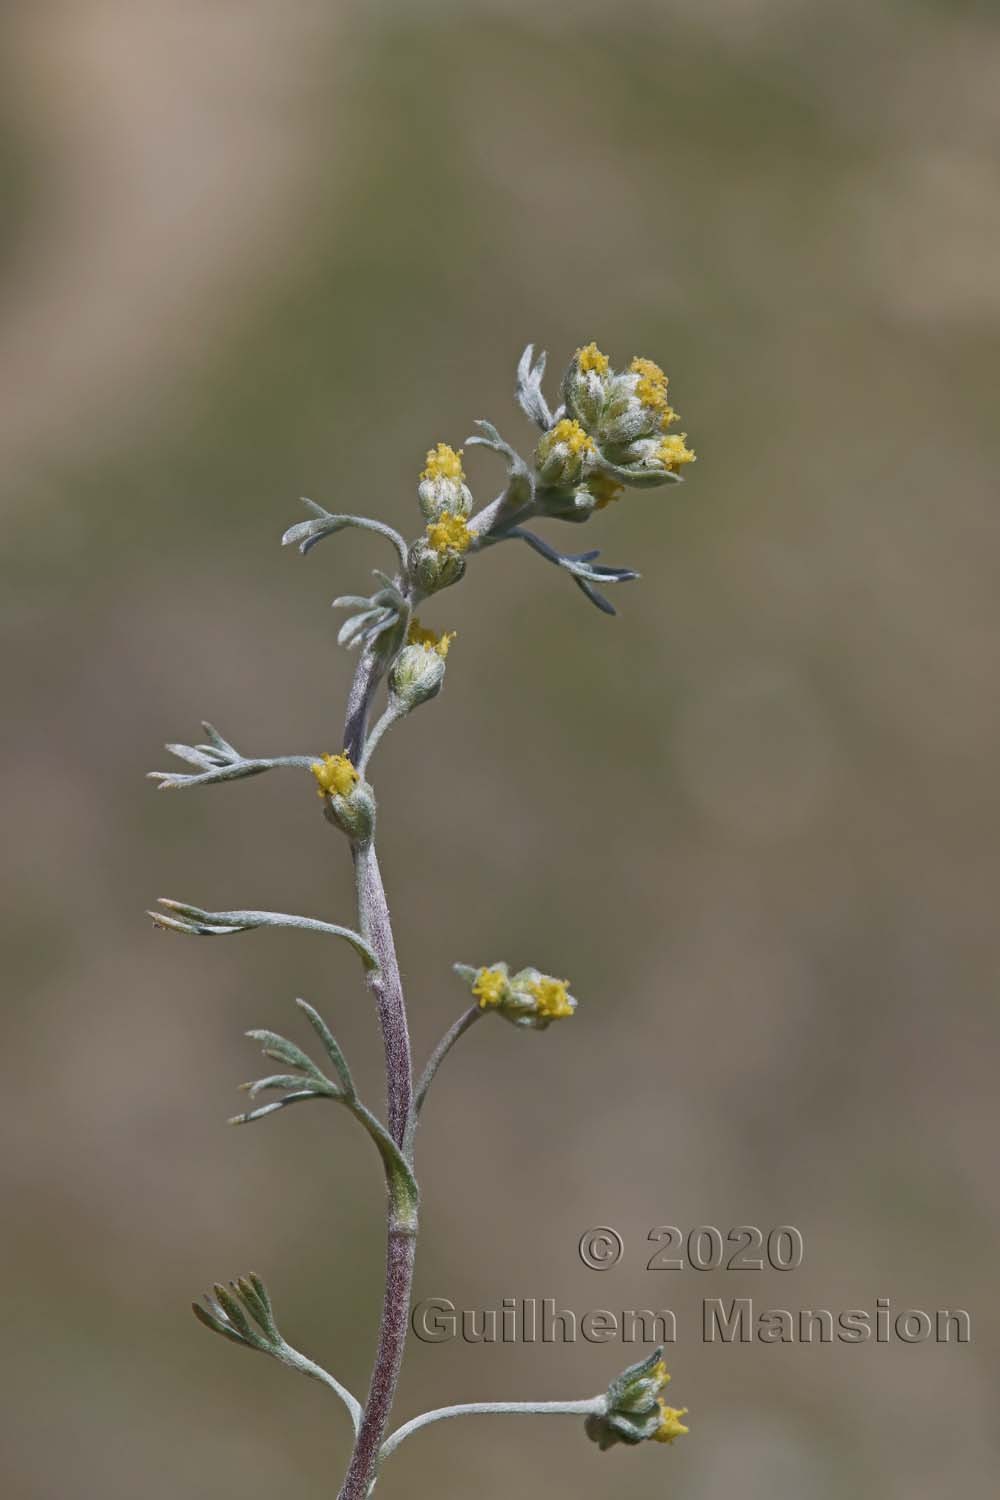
<point x="256" y="251"/>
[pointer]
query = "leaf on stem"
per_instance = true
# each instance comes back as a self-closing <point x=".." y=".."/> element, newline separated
<point x="241" y="1313"/>
<point x="179" y="917"/>
<point x="218" y="761"/>
<point x="520" y="478"/>
<point x="529" y="388"/>
<point x="582" y="567"/>
<point x="377" y="614"/>
<point x="307" y="1082"/>
<point x="324" y="523"/>
<point x="332" y="1047"/>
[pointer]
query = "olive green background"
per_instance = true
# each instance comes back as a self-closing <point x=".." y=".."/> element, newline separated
<point x="254" y="251"/>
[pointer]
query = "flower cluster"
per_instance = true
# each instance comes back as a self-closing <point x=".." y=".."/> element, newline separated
<point x="527" y="998"/>
<point x="634" y="1408"/>
<point x="618" y="423"/>
<point x="612" y="432"/>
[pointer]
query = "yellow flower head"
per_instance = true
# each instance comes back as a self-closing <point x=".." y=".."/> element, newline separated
<point x="671" y="1425"/>
<point x="449" y="533"/>
<point x="571" y="435"/>
<point x="674" y="453"/>
<point x="651" y="387"/>
<point x="418" y="636"/>
<point x="659" y="1373"/>
<point x="551" y="997"/>
<point x="590" y="358"/>
<point x="335" y="775"/>
<point x="444" y="463"/>
<point x="489" y="987"/>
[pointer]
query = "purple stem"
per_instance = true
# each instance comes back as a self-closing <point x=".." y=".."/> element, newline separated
<point x="387" y="987"/>
<point x="400" y="1251"/>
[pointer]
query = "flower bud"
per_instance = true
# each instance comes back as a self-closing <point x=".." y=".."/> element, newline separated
<point x="562" y="454"/>
<point x="637" y="405"/>
<point x="585" y="385"/>
<point x="646" y="457"/>
<point x="348" y="801"/>
<point x="432" y="568"/>
<point x="418" y="671"/>
<point x="442" y="484"/>
<point x="634" y="1407"/>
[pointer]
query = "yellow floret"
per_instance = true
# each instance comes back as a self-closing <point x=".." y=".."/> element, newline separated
<point x="590" y="358"/>
<point x="551" y="997"/>
<point x="674" y="453"/>
<point x="449" y="533"/>
<point x="567" y="434"/>
<point x="418" y="636"/>
<point x="335" y="775"/>
<point x="649" y="370"/>
<point x="489" y="987"/>
<point x="651" y="387"/>
<point x="444" y="463"/>
<point x="671" y="1425"/>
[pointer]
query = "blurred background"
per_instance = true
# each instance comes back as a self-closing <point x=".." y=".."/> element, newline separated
<point x="254" y="252"/>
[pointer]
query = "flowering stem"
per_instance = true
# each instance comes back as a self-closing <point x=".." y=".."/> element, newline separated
<point x="401" y="1226"/>
<point x="610" y="432"/>
<point x="592" y="1405"/>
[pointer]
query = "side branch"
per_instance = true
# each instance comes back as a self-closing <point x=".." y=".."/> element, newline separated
<point x="457" y="1029"/>
<point x="593" y="1405"/>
